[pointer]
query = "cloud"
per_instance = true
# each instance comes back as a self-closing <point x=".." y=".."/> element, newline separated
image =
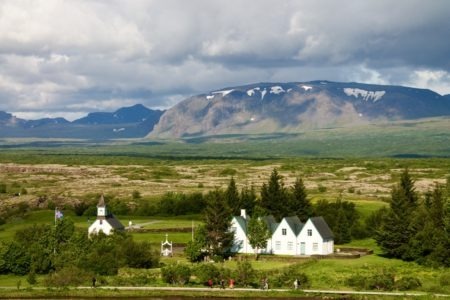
<point x="87" y="55"/>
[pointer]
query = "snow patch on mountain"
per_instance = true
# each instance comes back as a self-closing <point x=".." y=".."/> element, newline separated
<point x="209" y="97"/>
<point x="366" y="95"/>
<point x="224" y="92"/>
<point x="118" y="129"/>
<point x="306" y="87"/>
<point x="251" y="92"/>
<point x="277" y="90"/>
<point x="263" y="93"/>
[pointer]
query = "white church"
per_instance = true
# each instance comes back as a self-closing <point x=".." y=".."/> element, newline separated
<point x="289" y="237"/>
<point x="105" y="222"/>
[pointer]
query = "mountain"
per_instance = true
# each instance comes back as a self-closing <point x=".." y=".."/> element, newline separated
<point x="127" y="122"/>
<point x="296" y="107"/>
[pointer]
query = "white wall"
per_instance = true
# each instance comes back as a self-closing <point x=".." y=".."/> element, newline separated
<point x="284" y="244"/>
<point x="241" y="244"/>
<point x="323" y="247"/>
<point x="96" y="227"/>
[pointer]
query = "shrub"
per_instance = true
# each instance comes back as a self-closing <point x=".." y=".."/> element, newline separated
<point x="245" y="274"/>
<point x="206" y="271"/>
<point x="31" y="278"/>
<point x="287" y="276"/>
<point x="68" y="276"/>
<point x="136" y="195"/>
<point x="407" y="283"/>
<point x="176" y="274"/>
<point x="445" y="279"/>
<point x="2" y="188"/>
<point x="382" y="280"/>
<point x="322" y="189"/>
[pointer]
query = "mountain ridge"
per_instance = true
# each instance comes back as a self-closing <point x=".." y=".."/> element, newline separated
<point x="126" y="122"/>
<point x="295" y="107"/>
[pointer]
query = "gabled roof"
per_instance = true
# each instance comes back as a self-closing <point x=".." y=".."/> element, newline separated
<point x="114" y="222"/>
<point x="295" y="224"/>
<point x="271" y="223"/>
<point x="322" y="227"/>
<point x="242" y="222"/>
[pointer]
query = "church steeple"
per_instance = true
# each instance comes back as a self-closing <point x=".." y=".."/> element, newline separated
<point x="101" y="207"/>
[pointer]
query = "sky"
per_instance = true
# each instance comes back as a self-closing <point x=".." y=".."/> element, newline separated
<point x="70" y="57"/>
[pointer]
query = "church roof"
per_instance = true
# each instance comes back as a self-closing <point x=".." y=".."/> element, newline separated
<point x="101" y="202"/>
<point x="114" y="222"/>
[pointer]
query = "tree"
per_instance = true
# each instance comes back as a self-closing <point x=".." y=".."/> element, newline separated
<point x="217" y="217"/>
<point x="258" y="233"/>
<point x="299" y="203"/>
<point x="248" y="199"/>
<point x="196" y="249"/>
<point x="232" y="197"/>
<point x="396" y="230"/>
<point x="274" y="196"/>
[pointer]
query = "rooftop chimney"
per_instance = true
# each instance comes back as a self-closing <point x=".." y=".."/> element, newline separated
<point x="243" y="213"/>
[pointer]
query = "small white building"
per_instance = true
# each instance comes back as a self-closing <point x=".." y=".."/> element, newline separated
<point x="105" y="222"/>
<point x="289" y="237"/>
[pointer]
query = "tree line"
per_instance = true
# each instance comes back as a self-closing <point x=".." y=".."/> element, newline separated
<point x="414" y="228"/>
<point x="43" y="249"/>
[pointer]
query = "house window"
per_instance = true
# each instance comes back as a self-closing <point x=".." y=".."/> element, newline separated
<point x="309" y="232"/>
<point x="283" y="231"/>
<point x="277" y="245"/>
<point x="290" y="245"/>
<point x="315" y="247"/>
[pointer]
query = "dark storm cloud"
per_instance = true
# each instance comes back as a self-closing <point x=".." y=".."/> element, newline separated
<point x="79" y="56"/>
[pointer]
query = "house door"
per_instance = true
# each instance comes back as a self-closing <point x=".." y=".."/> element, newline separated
<point x="302" y="248"/>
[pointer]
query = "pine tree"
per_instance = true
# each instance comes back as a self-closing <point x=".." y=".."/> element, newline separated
<point x="248" y="199"/>
<point x="232" y="197"/>
<point x="274" y="196"/>
<point x="396" y="229"/>
<point x="299" y="203"/>
<point x="217" y="223"/>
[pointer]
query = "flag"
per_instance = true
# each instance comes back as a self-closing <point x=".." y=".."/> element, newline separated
<point x="58" y="214"/>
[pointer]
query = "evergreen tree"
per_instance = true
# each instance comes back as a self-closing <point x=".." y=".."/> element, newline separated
<point x="299" y="203"/>
<point x="397" y="228"/>
<point x="217" y="223"/>
<point x="248" y="199"/>
<point x="274" y="196"/>
<point x="232" y="198"/>
<point x="341" y="230"/>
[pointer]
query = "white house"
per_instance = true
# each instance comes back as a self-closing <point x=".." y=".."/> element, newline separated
<point x="105" y="222"/>
<point x="239" y="227"/>
<point x="285" y="238"/>
<point x="316" y="238"/>
<point x="289" y="237"/>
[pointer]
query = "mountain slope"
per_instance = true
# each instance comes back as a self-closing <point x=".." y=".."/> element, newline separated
<point x="128" y="122"/>
<point x="296" y="107"/>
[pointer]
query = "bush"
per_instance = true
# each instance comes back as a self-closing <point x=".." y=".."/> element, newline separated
<point x="287" y="276"/>
<point x="2" y="188"/>
<point x="68" y="276"/>
<point x="407" y="283"/>
<point x="245" y="274"/>
<point x="445" y="279"/>
<point x="383" y="280"/>
<point x="176" y="274"/>
<point x="322" y="189"/>
<point x="206" y="271"/>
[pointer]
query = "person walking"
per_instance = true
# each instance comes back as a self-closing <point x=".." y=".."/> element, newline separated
<point x="210" y="283"/>
<point x="295" y="284"/>
<point x="94" y="280"/>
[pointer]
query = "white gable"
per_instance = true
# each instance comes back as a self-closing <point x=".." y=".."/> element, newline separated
<point x="312" y="242"/>
<point x="100" y="225"/>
